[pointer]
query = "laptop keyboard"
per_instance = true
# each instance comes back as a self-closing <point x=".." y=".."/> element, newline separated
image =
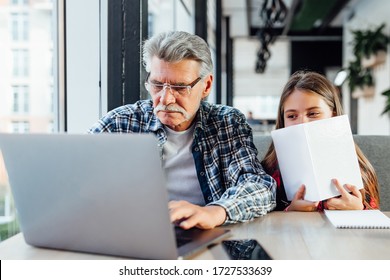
<point x="183" y="236"/>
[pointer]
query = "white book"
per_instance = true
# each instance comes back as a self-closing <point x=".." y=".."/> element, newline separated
<point x="313" y="154"/>
<point x="357" y="218"/>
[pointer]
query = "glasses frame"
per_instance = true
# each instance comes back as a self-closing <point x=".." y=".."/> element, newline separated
<point x="174" y="89"/>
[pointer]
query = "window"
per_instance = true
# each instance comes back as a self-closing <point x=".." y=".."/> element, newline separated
<point x="28" y="88"/>
<point x="21" y="102"/>
<point x="164" y="15"/>
<point x="20" y="127"/>
<point x="20" y="63"/>
<point x="20" y="2"/>
<point x="20" y="26"/>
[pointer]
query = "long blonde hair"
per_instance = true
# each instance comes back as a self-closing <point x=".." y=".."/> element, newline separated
<point x="317" y="84"/>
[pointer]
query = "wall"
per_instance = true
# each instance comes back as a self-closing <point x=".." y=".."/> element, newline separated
<point x="369" y="14"/>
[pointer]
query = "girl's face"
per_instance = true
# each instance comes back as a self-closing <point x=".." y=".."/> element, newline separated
<point x="302" y="106"/>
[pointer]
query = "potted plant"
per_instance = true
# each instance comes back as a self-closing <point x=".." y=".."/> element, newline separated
<point x="370" y="46"/>
<point x="387" y="105"/>
<point x="360" y="80"/>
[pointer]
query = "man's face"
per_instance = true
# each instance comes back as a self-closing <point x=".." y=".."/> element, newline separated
<point x="177" y="108"/>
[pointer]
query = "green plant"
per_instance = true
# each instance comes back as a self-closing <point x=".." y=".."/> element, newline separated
<point x="387" y="105"/>
<point x="358" y="76"/>
<point x="365" y="43"/>
<point x="368" y="42"/>
<point x="9" y="229"/>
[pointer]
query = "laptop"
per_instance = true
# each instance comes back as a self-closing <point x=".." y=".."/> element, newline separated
<point x="96" y="193"/>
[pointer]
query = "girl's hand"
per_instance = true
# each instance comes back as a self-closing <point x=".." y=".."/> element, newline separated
<point x="346" y="201"/>
<point x="300" y="204"/>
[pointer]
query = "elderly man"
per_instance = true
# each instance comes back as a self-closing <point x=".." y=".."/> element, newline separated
<point x="212" y="171"/>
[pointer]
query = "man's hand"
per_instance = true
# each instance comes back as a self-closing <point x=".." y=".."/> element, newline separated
<point x="189" y="215"/>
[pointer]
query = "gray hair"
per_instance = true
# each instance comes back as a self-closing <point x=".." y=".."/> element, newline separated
<point x="175" y="46"/>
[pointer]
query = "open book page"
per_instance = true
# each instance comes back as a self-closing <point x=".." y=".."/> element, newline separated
<point x="358" y="218"/>
<point x="313" y="154"/>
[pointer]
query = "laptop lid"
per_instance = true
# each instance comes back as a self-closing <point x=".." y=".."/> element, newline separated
<point x="99" y="193"/>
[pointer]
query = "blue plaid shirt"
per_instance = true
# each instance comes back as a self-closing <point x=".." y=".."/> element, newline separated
<point x="229" y="172"/>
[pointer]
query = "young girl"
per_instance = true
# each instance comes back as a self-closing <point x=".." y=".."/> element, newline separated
<point x="309" y="96"/>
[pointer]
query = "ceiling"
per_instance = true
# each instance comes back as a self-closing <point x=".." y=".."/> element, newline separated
<point x="286" y="17"/>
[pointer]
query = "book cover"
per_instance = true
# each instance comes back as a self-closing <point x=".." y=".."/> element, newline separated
<point x="313" y="154"/>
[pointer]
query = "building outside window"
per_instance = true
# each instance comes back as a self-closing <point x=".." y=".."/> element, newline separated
<point x="20" y="63"/>
<point x="21" y="102"/>
<point x="27" y="90"/>
<point x="20" y="26"/>
<point x="20" y="127"/>
<point x="20" y="2"/>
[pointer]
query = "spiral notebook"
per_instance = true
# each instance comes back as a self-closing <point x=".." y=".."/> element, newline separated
<point x="368" y="219"/>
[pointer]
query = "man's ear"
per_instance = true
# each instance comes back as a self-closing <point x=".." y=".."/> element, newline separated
<point x="209" y="82"/>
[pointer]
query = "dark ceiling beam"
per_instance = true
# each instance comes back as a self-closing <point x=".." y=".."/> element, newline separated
<point x="339" y="5"/>
<point x="335" y="33"/>
<point x="304" y="19"/>
<point x="290" y="16"/>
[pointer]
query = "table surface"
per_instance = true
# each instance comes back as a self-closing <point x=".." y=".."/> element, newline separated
<point x="284" y="235"/>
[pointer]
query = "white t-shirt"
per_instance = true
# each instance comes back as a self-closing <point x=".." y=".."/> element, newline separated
<point x="179" y="166"/>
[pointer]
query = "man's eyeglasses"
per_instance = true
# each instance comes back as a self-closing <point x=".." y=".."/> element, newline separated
<point x="181" y="90"/>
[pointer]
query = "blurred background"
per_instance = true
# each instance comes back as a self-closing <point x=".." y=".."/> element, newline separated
<point x="65" y="63"/>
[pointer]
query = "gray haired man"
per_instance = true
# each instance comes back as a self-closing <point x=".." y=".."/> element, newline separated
<point x="213" y="174"/>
